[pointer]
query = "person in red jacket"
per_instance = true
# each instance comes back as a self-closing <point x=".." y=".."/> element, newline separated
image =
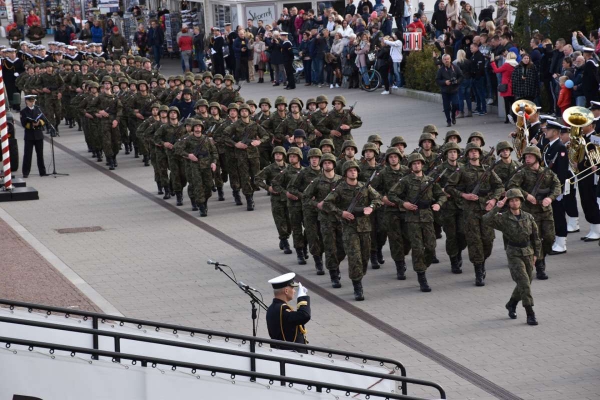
<point x="565" y="94"/>
<point x="185" y="41"/>
<point x="32" y="18"/>
<point x="416" y="24"/>
<point x="506" y="70"/>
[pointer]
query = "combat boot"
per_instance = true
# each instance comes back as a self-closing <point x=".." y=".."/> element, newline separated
<point x="540" y="269"/>
<point x="511" y="306"/>
<point x="220" y="193"/>
<point x="194" y="205"/>
<point x="203" y="210"/>
<point x="167" y="195"/>
<point x="94" y="153"/>
<point x="78" y="126"/>
<point x="237" y="198"/>
<point x="286" y="247"/>
<point x="126" y="148"/>
<point x="111" y="165"/>
<point x="459" y="258"/>
<point x="281" y="244"/>
<point x="423" y="282"/>
<point x="249" y="203"/>
<point x="70" y="123"/>
<point x="99" y="156"/>
<point x="146" y="161"/>
<point x="358" y="291"/>
<point x="530" y="316"/>
<point x="179" y="196"/>
<point x="335" y="278"/>
<point x="454" y="265"/>
<point x="115" y="161"/>
<point x="380" y="258"/>
<point x="214" y="189"/>
<point x="319" y="265"/>
<point x="374" y="262"/>
<point x="305" y="250"/>
<point x="401" y="270"/>
<point x="136" y="154"/>
<point x="300" y="257"/>
<point x="434" y="259"/>
<point x="479" y="275"/>
<point x="160" y="189"/>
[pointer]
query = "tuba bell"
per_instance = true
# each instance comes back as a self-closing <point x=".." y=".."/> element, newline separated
<point x="577" y="118"/>
<point x="522" y="109"/>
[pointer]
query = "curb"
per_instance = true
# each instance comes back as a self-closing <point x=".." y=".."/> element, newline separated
<point x="431" y="97"/>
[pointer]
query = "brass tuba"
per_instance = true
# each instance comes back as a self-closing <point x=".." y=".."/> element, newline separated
<point x="577" y="118"/>
<point x="521" y="138"/>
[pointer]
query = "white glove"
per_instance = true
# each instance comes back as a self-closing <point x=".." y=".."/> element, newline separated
<point x="559" y="198"/>
<point x="302" y="291"/>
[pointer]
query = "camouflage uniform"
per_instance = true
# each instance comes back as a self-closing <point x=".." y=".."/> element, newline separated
<point x="289" y="125"/>
<point x="153" y="149"/>
<point x="220" y="174"/>
<point x="333" y="121"/>
<point x="143" y="105"/>
<point x="279" y="208"/>
<point x="503" y="170"/>
<point x="550" y="187"/>
<point x="419" y="223"/>
<point x="523" y="244"/>
<point x="166" y="159"/>
<point x="356" y="233"/>
<point x="111" y="140"/>
<point x="480" y="237"/>
<point x="487" y="158"/>
<point x="52" y="104"/>
<point x="89" y="125"/>
<point x="317" y="118"/>
<point x="227" y="157"/>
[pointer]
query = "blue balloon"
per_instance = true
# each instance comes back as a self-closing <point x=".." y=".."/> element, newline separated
<point x="569" y="84"/>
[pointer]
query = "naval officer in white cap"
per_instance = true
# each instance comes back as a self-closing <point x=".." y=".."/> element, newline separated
<point x="283" y="322"/>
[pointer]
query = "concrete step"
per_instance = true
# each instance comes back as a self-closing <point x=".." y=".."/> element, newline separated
<point x="19" y="194"/>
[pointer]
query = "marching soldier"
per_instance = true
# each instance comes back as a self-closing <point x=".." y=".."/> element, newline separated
<point x="90" y="122"/>
<point x="52" y="85"/>
<point x="169" y="135"/>
<point x="264" y="115"/>
<point x="141" y="104"/>
<point x="318" y="116"/>
<point x="487" y="158"/>
<point x="426" y="149"/>
<point x="349" y="150"/>
<point x="228" y="156"/>
<point x="141" y="131"/>
<point x="419" y="194"/>
<point x="201" y="109"/>
<point x="399" y="143"/>
<point x="212" y="125"/>
<point x="275" y="120"/>
<point x="356" y="224"/>
<point x="432" y="129"/>
<point x="540" y="187"/>
<point x="163" y="119"/>
<point x="479" y="191"/>
<point x="279" y="208"/>
<point x="508" y="167"/>
<point x="370" y="167"/>
<point x="523" y="248"/>
<point x="108" y="109"/>
<point x="125" y="96"/>
<point x="164" y="138"/>
<point x="330" y="224"/>
<point x="452" y="136"/>
<point x="326" y="146"/>
<point x="339" y="123"/>
<point x="228" y="94"/>
<point x="293" y="122"/>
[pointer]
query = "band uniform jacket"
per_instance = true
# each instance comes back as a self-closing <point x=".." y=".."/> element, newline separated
<point x="561" y="164"/>
<point x="31" y="132"/>
<point x="286" y="324"/>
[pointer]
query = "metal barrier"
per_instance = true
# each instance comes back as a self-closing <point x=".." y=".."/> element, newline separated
<point x="95" y="332"/>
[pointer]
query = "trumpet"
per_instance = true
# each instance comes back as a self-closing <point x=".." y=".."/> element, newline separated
<point x="578" y="118"/>
<point x="522" y="108"/>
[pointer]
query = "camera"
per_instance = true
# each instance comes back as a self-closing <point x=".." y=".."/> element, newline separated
<point x="453" y="81"/>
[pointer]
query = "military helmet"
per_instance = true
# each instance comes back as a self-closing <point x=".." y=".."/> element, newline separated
<point x="315" y="153"/>
<point x="349" y="143"/>
<point x="66" y="62"/>
<point x="214" y="104"/>
<point x="296" y="102"/>
<point x="152" y="80"/>
<point x="392" y="150"/>
<point x="117" y="62"/>
<point x="155" y="105"/>
<point x="478" y="135"/>
<point x="301" y="102"/>
<point x="94" y="85"/>
<point x="137" y="58"/>
<point x="163" y="107"/>
<point x="145" y="60"/>
<point x="534" y="150"/>
<point x="503" y="145"/>
<point x="108" y="62"/>
<point x="244" y="107"/>
<point x="264" y="100"/>
<point x="451" y="146"/>
<point x="229" y="77"/>
<point x="327" y="142"/>
<point x="280" y="100"/>
<point x="251" y="103"/>
<point x="299" y="133"/>
<point x="187" y="91"/>
<point x="415" y="157"/>
<point x="142" y="82"/>
<point x="218" y="76"/>
<point x="471" y="146"/>
<point x="161" y="76"/>
<point x="198" y="77"/>
<point x="173" y="108"/>
<point x="178" y="78"/>
<point x="370" y="146"/>
<point x="296" y="151"/>
<point x="310" y="101"/>
<point x="101" y="60"/>
<point x="207" y="74"/>
<point x="188" y="77"/>
<point x="514" y="193"/>
<point x="239" y="99"/>
<point x="233" y="106"/>
<point x="201" y="102"/>
<point x="197" y="122"/>
<point x="130" y="57"/>
<point x="430" y="129"/>
<point x="328" y="157"/>
<point x="279" y="149"/>
<point x="107" y="78"/>
<point x="341" y="99"/>
<point x="350" y="164"/>
<point x="451" y="133"/>
<point x="189" y="121"/>
<point x="375" y="139"/>
<point x="322" y="99"/>
<point x="426" y="136"/>
<point x="76" y="63"/>
<point x="84" y="62"/>
<point x="398" y="140"/>
<point x="124" y="80"/>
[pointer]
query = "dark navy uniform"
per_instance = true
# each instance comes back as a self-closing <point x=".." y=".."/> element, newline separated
<point x="561" y="168"/>
<point x="34" y="138"/>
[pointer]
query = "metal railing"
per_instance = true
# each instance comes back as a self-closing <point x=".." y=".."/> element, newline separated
<point x="96" y="333"/>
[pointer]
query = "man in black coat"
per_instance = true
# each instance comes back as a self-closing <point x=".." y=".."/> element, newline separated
<point x="12" y="67"/>
<point x="33" y="121"/>
<point x="216" y="51"/>
<point x="288" y="60"/>
<point x="590" y="76"/>
<point x="449" y="77"/>
<point x="439" y="20"/>
<point x="156" y="39"/>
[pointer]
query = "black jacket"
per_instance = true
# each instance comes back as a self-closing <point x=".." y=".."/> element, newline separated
<point x="556" y="64"/>
<point x="27" y="115"/>
<point x="527" y="88"/>
<point x="448" y="74"/>
<point x="589" y="82"/>
<point x="439" y="20"/>
<point x="561" y="164"/>
<point x="286" y="324"/>
<point x="477" y="65"/>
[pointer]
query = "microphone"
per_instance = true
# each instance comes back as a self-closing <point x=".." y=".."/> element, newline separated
<point x="215" y="263"/>
<point x="243" y="286"/>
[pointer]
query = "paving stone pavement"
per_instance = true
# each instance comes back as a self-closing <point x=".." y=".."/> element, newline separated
<point x="150" y="263"/>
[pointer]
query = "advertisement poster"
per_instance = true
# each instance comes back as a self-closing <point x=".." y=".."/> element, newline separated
<point x="265" y="12"/>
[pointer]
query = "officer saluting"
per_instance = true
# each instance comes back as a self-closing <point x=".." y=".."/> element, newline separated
<point x="283" y="322"/>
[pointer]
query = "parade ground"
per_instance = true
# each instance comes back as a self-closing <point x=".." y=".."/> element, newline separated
<point x="105" y="241"/>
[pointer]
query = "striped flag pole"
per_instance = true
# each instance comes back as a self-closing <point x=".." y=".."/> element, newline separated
<point x="4" y="137"/>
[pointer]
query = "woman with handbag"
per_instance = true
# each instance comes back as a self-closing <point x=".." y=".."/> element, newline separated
<point x="333" y="61"/>
<point x="260" y="58"/>
<point x="362" y="52"/>
<point x="505" y="87"/>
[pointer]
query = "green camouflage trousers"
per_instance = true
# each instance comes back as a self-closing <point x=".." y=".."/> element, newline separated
<point x="190" y="180"/>
<point x="231" y="168"/>
<point x="132" y="125"/>
<point x="53" y="110"/>
<point x="123" y="130"/>
<point x="111" y="140"/>
<point x="281" y="217"/>
<point x="333" y="243"/>
<point x="378" y="230"/>
<point x="246" y="168"/>
<point x="265" y="155"/>
<point x="422" y="242"/>
<point x="177" y="168"/>
<point x="152" y="151"/>
<point x="162" y="163"/>
<point x="521" y="271"/>
<point x="312" y="229"/>
<point x="480" y="237"/>
<point x="398" y="235"/>
<point x="453" y="223"/>
<point x="356" y="247"/>
<point x="202" y="183"/>
<point x="546" y="232"/>
<point x="296" y="221"/>
<point x="218" y="179"/>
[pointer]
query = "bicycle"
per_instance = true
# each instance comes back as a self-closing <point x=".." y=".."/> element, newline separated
<point x="374" y="79"/>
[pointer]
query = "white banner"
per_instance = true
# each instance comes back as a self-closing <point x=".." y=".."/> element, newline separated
<point x="260" y="12"/>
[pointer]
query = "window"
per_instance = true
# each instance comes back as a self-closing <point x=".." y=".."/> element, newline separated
<point x="222" y="15"/>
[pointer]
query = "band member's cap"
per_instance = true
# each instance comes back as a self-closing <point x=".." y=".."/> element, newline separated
<point x="30" y="97"/>
<point x="595" y="105"/>
<point x="284" y="281"/>
<point x="555" y="125"/>
<point x="283" y="33"/>
<point x="546" y="118"/>
<point x="587" y="50"/>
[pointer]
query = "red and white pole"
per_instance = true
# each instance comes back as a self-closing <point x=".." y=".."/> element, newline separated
<point x="4" y="137"/>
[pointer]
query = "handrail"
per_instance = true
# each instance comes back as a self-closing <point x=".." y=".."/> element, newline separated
<point x="237" y="353"/>
<point x="194" y="367"/>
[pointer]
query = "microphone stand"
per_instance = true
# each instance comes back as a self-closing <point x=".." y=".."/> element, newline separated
<point x="52" y="131"/>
